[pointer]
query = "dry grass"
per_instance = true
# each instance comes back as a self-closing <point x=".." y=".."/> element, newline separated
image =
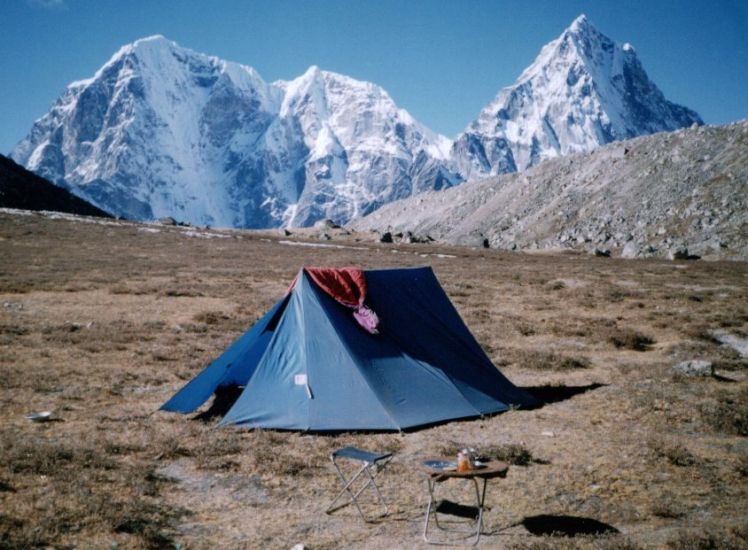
<point x="101" y="324"/>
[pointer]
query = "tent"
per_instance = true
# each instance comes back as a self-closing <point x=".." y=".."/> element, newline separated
<point x="348" y="349"/>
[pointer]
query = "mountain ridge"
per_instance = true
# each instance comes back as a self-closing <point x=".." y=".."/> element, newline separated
<point x="162" y="130"/>
<point x="656" y="195"/>
<point x="22" y="189"/>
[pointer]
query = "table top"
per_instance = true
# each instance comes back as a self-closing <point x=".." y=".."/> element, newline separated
<point x="489" y="469"/>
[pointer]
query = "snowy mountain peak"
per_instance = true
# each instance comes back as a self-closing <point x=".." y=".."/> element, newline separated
<point x="581" y="24"/>
<point x="153" y="41"/>
<point x="161" y="130"/>
<point x="582" y="91"/>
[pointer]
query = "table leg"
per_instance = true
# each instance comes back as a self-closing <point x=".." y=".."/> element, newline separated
<point x="480" y="498"/>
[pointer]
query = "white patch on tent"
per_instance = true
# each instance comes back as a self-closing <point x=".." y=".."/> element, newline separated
<point x="302" y="380"/>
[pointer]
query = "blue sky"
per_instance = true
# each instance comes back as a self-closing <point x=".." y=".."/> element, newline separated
<point x="440" y="60"/>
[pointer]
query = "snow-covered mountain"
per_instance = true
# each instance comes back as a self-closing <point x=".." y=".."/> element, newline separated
<point x="583" y="90"/>
<point x="161" y="130"/>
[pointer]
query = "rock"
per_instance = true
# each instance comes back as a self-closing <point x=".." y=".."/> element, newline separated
<point x="695" y="367"/>
<point x="166" y="221"/>
<point x="386" y="237"/>
<point x="324" y="236"/>
<point x="326" y="224"/>
<point x="630" y="250"/>
<point x="681" y="253"/>
<point x="285" y="232"/>
<point x="601" y="252"/>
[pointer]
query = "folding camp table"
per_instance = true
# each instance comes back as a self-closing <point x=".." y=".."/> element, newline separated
<point x="371" y="465"/>
<point x="440" y="470"/>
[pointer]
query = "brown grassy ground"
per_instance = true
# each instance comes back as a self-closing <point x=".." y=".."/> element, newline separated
<point x="101" y="323"/>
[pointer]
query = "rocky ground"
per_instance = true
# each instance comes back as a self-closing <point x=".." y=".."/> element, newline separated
<point x="676" y="194"/>
<point x="641" y="365"/>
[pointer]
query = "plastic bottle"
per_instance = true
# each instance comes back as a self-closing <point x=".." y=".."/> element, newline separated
<point x="463" y="461"/>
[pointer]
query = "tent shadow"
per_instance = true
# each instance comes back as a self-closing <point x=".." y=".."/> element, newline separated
<point x="566" y="526"/>
<point x="553" y="394"/>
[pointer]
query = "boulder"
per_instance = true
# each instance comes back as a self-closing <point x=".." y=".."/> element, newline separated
<point x="326" y="224"/>
<point x="630" y="250"/>
<point x="694" y="367"/>
<point x="680" y="253"/>
<point x="166" y="221"/>
<point x="386" y="237"/>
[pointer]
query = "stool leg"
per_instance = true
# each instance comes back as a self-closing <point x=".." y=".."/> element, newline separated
<point x="366" y="468"/>
<point x="376" y="487"/>
<point x="347" y="488"/>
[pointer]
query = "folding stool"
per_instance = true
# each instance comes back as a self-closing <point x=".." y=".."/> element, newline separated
<point x="372" y="464"/>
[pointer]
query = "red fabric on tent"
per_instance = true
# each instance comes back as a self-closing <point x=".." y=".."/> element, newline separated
<point x="347" y="286"/>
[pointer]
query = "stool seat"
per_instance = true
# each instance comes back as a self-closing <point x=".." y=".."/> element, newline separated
<point x="359" y="454"/>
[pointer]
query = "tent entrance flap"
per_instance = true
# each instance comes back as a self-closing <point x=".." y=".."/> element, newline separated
<point x="233" y="368"/>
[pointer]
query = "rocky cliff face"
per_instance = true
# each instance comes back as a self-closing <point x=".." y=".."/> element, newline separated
<point x="164" y="131"/>
<point x="658" y="195"/>
<point x="583" y="90"/>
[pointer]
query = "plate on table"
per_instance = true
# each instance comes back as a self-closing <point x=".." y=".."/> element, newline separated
<point x="446" y="465"/>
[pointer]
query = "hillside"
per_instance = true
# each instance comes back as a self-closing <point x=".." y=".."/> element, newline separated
<point x="101" y="321"/>
<point x="20" y="188"/>
<point x="649" y="196"/>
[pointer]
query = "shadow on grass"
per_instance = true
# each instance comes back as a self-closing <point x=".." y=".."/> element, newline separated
<point x="721" y="378"/>
<point x="553" y="394"/>
<point x="566" y="526"/>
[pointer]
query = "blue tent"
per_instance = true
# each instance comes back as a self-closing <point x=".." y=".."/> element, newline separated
<point x="307" y="364"/>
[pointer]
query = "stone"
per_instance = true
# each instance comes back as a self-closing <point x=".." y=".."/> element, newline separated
<point x="680" y="253"/>
<point x="326" y="224"/>
<point x="601" y="252"/>
<point x="630" y="250"/>
<point x="166" y="221"/>
<point x="694" y="367"/>
<point x="386" y="237"/>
